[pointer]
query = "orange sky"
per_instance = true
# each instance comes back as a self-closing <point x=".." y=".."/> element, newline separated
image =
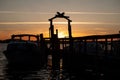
<point x="77" y="29"/>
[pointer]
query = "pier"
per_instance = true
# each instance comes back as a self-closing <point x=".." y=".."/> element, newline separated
<point x="95" y="56"/>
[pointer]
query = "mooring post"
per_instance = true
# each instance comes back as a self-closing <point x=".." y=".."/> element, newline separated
<point x="38" y="39"/>
<point x="69" y="29"/>
<point x="41" y="41"/>
<point x="51" y="29"/>
<point x="85" y="46"/>
<point x="57" y="33"/>
<point x="111" y="46"/>
<point x="12" y="37"/>
<point x="96" y="41"/>
<point x="29" y="37"/>
<point x="70" y="35"/>
<point x="44" y="49"/>
<point x="106" y="47"/>
<point x="56" y="53"/>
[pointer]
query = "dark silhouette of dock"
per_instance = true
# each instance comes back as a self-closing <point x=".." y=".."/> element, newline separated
<point x="91" y="57"/>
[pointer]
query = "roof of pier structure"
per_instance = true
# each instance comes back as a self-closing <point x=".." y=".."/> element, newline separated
<point x="60" y="15"/>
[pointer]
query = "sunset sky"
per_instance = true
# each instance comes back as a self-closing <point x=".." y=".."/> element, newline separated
<point x="89" y="17"/>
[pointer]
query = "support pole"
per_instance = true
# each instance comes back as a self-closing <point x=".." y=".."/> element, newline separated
<point x="29" y="37"/>
<point x="57" y="33"/>
<point x="69" y="29"/>
<point x="51" y="29"/>
<point x="56" y="54"/>
<point x="106" y="51"/>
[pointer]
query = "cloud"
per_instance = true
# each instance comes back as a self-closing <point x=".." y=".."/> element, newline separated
<point x="19" y="12"/>
<point x="23" y="23"/>
<point x="12" y="23"/>
<point x="107" y="13"/>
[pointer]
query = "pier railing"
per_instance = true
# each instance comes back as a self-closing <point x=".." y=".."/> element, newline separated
<point x="110" y="44"/>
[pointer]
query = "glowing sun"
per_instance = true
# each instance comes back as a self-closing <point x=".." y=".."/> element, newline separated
<point x="61" y="35"/>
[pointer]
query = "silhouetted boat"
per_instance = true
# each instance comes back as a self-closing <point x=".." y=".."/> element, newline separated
<point x="25" y="52"/>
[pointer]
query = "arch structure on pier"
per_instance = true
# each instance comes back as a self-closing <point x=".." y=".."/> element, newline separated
<point x="59" y="15"/>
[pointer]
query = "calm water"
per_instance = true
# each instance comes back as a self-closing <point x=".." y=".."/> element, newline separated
<point x="45" y="73"/>
<point x="27" y="73"/>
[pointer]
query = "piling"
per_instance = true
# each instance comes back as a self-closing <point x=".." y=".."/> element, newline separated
<point x="44" y="50"/>
<point x="55" y="53"/>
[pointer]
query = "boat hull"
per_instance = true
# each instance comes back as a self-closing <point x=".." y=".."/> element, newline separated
<point x="25" y="58"/>
<point x="25" y="54"/>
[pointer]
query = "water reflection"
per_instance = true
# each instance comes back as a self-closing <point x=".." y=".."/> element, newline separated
<point x="8" y="72"/>
<point x="25" y="73"/>
<point x="21" y="72"/>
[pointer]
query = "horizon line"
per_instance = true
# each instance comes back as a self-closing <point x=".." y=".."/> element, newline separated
<point x="13" y="23"/>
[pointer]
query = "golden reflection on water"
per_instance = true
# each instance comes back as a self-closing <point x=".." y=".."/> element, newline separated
<point x="54" y="74"/>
